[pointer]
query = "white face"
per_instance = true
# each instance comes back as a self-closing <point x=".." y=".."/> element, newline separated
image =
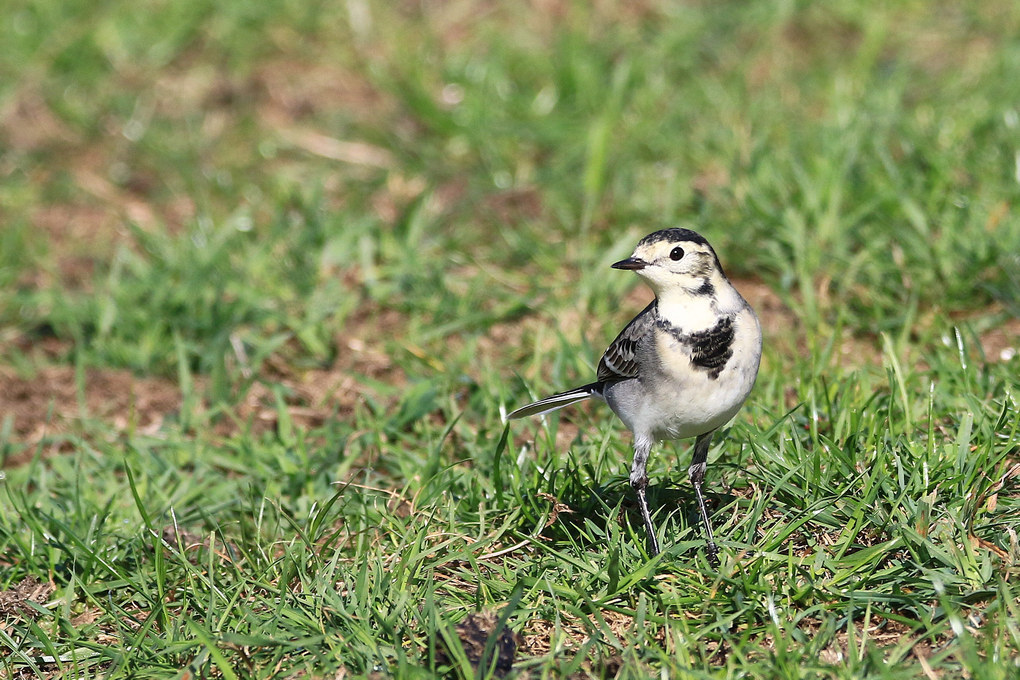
<point x="670" y="263"/>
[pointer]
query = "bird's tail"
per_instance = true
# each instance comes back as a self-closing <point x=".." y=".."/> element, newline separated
<point x="557" y="401"/>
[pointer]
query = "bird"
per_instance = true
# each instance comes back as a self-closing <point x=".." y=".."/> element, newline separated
<point x="681" y="368"/>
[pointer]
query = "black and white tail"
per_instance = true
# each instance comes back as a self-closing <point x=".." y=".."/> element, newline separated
<point x="557" y="401"/>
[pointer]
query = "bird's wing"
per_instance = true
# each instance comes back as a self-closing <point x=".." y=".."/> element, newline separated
<point x="620" y="361"/>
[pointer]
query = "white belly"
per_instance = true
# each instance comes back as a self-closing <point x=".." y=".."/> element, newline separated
<point x="683" y="400"/>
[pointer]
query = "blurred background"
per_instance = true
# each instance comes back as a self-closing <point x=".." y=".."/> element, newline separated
<point x="181" y="181"/>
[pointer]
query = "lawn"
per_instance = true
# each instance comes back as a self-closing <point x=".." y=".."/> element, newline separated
<point x="271" y="273"/>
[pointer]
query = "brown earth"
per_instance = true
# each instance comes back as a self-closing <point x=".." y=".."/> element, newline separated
<point x="51" y="401"/>
<point x="287" y="97"/>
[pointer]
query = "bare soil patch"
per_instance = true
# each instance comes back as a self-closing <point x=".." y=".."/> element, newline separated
<point x="55" y="399"/>
<point x="27" y="124"/>
<point x="316" y="395"/>
<point x="49" y="402"/>
<point x="296" y="90"/>
<point x="1002" y="343"/>
<point x="16" y="601"/>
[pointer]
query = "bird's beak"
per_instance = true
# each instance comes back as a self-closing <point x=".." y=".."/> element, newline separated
<point x="630" y="263"/>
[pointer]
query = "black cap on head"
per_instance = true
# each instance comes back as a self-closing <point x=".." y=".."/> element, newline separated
<point x="674" y="234"/>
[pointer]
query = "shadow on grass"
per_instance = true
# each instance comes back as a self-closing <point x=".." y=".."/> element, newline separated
<point x="594" y="515"/>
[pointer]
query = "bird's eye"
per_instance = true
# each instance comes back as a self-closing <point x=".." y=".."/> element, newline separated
<point x="676" y="254"/>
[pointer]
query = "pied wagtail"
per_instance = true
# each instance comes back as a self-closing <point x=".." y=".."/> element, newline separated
<point x="682" y="367"/>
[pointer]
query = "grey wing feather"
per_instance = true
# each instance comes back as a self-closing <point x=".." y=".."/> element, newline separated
<point x="620" y="361"/>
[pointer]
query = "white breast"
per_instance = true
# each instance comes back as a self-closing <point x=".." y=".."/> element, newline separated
<point x="677" y="399"/>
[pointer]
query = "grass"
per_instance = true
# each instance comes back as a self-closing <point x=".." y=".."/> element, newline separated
<point x="347" y="236"/>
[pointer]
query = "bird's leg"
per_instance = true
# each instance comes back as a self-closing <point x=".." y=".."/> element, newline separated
<point x="696" y="472"/>
<point x="639" y="481"/>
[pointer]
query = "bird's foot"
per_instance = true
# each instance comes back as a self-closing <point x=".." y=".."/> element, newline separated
<point x="712" y="550"/>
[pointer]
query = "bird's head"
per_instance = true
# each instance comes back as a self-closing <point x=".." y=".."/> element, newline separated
<point x="674" y="259"/>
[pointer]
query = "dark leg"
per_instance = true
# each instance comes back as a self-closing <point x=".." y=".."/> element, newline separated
<point x="696" y="472"/>
<point x="639" y="481"/>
